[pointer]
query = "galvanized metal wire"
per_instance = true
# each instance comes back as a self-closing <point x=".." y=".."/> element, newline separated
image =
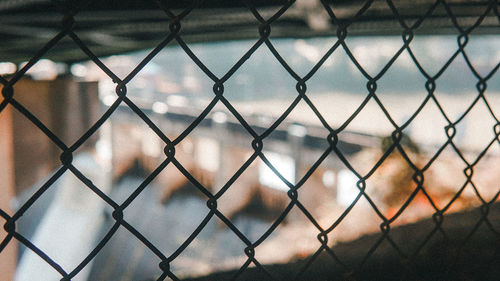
<point x="258" y="143"/>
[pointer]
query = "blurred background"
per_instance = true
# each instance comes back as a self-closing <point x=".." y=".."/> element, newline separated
<point x="68" y="220"/>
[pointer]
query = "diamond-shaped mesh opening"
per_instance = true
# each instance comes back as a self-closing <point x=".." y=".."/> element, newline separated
<point x="431" y="53"/>
<point x="62" y="212"/>
<point x="336" y="77"/>
<point x="266" y="100"/>
<point x="132" y="253"/>
<point x="318" y="197"/>
<point x="180" y="77"/>
<point x="213" y="248"/>
<point x="443" y="191"/>
<point x="255" y="200"/>
<point x="482" y="131"/>
<point x="374" y="60"/>
<point x="402" y="78"/>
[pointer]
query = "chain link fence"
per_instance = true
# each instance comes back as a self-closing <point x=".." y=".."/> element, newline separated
<point x="340" y="24"/>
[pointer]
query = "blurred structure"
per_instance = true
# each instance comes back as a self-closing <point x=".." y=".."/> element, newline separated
<point x="193" y="175"/>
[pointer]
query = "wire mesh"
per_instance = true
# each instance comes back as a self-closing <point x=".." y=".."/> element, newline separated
<point x="258" y="143"/>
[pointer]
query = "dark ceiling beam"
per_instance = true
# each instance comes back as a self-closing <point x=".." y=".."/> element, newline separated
<point x="112" y="30"/>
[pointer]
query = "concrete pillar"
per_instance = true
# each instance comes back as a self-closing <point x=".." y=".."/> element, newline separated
<point x="296" y="135"/>
<point x="219" y="121"/>
<point x="70" y="229"/>
<point x="9" y="254"/>
<point x="68" y="108"/>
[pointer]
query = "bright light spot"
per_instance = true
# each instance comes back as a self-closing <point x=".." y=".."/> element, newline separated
<point x="108" y="100"/>
<point x="106" y="88"/>
<point x="346" y="187"/>
<point x="120" y="64"/>
<point x="208" y="154"/>
<point x="285" y="166"/>
<point x="374" y="53"/>
<point x="177" y="101"/>
<point x="328" y="178"/>
<point x="103" y="149"/>
<point x="44" y="69"/>
<point x="160" y="107"/>
<point x="187" y="146"/>
<point x="150" y="144"/>
<point x="297" y="130"/>
<point x="310" y="52"/>
<point x="7" y="68"/>
<point x="79" y="70"/>
<point x="219" y="117"/>
<point x="151" y="69"/>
